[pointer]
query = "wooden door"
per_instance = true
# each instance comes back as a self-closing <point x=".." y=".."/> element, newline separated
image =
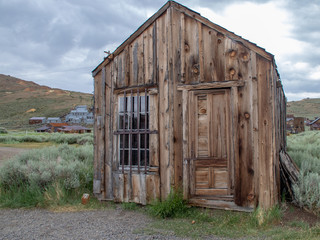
<point x="209" y="139"/>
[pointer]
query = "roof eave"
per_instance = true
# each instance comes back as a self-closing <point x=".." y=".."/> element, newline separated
<point x="133" y="36"/>
<point x="259" y="50"/>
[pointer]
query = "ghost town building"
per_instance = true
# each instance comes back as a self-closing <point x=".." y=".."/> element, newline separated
<point x="184" y="103"/>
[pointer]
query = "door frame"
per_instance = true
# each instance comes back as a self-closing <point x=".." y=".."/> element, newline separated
<point x="233" y="134"/>
<point x="195" y="160"/>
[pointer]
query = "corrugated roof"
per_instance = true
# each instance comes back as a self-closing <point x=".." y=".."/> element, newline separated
<point x="314" y="121"/>
<point x="52" y="118"/>
<point x="37" y="118"/>
<point x="57" y="124"/>
<point x="75" y="127"/>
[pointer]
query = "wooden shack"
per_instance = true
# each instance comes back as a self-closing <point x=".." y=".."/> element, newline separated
<point x="185" y="104"/>
<point x="315" y="124"/>
<point x="37" y="120"/>
<point x="298" y="124"/>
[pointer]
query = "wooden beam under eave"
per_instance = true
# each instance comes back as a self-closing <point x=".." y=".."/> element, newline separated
<point x="211" y="85"/>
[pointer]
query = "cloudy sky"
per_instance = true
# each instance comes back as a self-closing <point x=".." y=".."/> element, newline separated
<point x="59" y="42"/>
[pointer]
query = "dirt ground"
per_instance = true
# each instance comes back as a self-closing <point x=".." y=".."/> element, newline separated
<point x="294" y="213"/>
<point x="9" y="152"/>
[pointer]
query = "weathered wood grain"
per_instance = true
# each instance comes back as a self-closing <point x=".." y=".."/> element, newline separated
<point x="265" y="133"/>
<point x="191" y="51"/>
<point x="176" y="99"/>
<point x="149" y="55"/>
<point x="164" y="108"/>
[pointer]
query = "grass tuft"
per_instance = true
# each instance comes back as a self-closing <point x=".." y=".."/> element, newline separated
<point x="263" y="218"/>
<point x="129" y="206"/>
<point x="173" y="206"/>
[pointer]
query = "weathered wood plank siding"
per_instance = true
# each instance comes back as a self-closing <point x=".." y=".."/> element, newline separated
<point x="176" y="98"/>
<point x="108" y="132"/>
<point x="163" y="27"/>
<point x="266" y="129"/>
<point x="97" y="133"/>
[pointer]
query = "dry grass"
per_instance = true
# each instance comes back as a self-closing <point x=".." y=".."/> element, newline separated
<point x="28" y="145"/>
<point x="309" y="108"/>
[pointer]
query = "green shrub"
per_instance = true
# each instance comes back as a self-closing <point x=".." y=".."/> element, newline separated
<point x="71" y="167"/>
<point x="85" y="139"/>
<point x="307" y="191"/>
<point x="59" y="138"/>
<point x="3" y="130"/>
<point x="7" y="139"/>
<point x="173" y="206"/>
<point x="304" y="150"/>
<point x="32" y="138"/>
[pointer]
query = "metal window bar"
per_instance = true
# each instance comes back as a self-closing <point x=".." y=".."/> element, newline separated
<point x="138" y="127"/>
<point x="130" y="130"/>
<point x="145" y="129"/>
<point x="123" y="128"/>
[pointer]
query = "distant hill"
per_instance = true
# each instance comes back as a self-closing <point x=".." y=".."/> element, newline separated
<point x="21" y="100"/>
<point x="309" y="108"/>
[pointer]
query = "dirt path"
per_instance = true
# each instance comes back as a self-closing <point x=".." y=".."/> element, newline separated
<point x="101" y="224"/>
<point x="9" y="152"/>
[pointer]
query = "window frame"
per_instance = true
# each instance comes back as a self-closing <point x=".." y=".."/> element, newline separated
<point x="127" y="131"/>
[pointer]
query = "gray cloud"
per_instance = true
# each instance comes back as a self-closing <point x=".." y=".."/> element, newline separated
<point x="58" y="43"/>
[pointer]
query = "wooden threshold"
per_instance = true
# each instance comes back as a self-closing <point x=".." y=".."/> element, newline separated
<point x="218" y="204"/>
<point x="228" y="198"/>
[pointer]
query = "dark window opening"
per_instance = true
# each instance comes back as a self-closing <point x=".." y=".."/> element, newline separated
<point x="133" y="131"/>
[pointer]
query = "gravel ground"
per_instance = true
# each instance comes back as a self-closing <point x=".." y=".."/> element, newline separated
<point x="98" y="224"/>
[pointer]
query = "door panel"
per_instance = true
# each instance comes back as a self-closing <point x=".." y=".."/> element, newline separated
<point x="209" y="138"/>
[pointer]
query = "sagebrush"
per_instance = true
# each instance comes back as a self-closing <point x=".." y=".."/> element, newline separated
<point x="3" y="130"/>
<point x="86" y="138"/>
<point x="304" y="150"/>
<point x="46" y="173"/>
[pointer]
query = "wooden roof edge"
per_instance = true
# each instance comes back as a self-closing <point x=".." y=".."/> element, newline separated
<point x="223" y="30"/>
<point x="314" y="121"/>
<point x="261" y="51"/>
<point x="133" y="36"/>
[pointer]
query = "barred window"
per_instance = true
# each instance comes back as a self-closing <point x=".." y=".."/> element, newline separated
<point x="133" y="131"/>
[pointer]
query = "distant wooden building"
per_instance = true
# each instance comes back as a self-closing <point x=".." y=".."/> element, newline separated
<point x="295" y="124"/>
<point x="37" y="120"/>
<point x="74" y="129"/>
<point x="315" y="124"/>
<point x="298" y="124"/>
<point x="55" y="126"/>
<point x="184" y="103"/>
<point x="43" y="129"/>
<point x="54" y="120"/>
